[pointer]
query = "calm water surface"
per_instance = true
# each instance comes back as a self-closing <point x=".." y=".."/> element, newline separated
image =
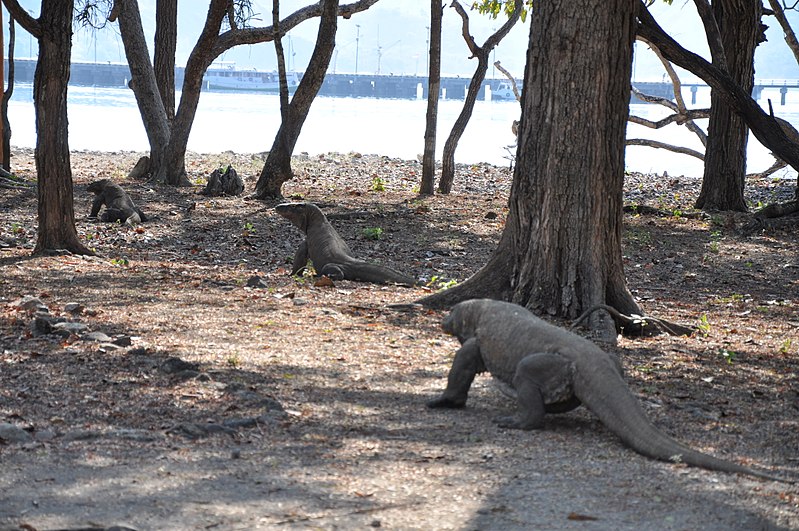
<point x="107" y="119"/>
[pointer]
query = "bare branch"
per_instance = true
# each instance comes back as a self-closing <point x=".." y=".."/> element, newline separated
<point x="465" y="29"/>
<point x="512" y="80"/>
<point x="663" y="145"/>
<point x="23" y="18"/>
<point x="682" y="116"/>
<point x="790" y="36"/>
<point x="237" y="37"/>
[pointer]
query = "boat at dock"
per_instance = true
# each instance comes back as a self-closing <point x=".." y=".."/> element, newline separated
<point x="228" y="77"/>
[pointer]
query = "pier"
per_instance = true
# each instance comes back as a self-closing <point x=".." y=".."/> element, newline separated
<point x="383" y="86"/>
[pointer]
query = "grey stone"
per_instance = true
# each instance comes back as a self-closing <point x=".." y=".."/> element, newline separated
<point x="123" y="341"/>
<point x="74" y="308"/>
<point x="30" y="303"/>
<point x="72" y="328"/>
<point x="256" y="282"/>
<point x="96" y="336"/>
<point x="11" y="433"/>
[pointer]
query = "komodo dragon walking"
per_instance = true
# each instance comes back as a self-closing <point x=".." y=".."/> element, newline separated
<point x="330" y="254"/>
<point x="552" y="370"/>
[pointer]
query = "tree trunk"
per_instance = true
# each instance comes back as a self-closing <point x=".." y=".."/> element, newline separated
<point x="277" y="168"/>
<point x="56" y="232"/>
<point x="448" y="155"/>
<point x="7" y="93"/>
<point x="427" y="186"/>
<point x="725" y="155"/>
<point x="166" y="40"/>
<point x="200" y="58"/>
<point x="144" y="85"/>
<point x="281" y="61"/>
<point x="560" y="252"/>
<point x="481" y="53"/>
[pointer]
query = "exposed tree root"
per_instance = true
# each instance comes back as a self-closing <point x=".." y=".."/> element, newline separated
<point x="637" y="325"/>
<point x="11" y="181"/>
<point x="774" y="216"/>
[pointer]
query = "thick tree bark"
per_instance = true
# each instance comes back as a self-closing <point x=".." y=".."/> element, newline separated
<point x="277" y="168"/>
<point x="560" y="252"/>
<point x="427" y="186"/>
<point x="144" y="84"/>
<point x="725" y="155"/>
<point x="166" y="41"/>
<point x="481" y="53"/>
<point x="53" y="29"/>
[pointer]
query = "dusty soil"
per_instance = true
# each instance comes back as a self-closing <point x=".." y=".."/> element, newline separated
<point x="300" y="406"/>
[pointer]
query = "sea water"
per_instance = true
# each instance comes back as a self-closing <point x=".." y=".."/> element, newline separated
<point x="107" y="119"/>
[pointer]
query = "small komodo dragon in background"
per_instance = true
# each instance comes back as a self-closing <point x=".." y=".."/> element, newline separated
<point x="330" y="254"/>
<point x="552" y="370"/>
<point x="118" y="205"/>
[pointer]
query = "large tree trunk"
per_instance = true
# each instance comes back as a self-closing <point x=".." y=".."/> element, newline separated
<point x="427" y="186"/>
<point x="725" y="154"/>
<point x="481" y="53"/>
<point x="144" y="85"/>
<point x="166" y="40"/>
<point x="277" y="168"/>
<point x="56" y="230"/>
<point x="560" y="252"/>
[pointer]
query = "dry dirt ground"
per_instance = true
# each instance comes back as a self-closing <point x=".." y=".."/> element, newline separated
<point x="292" y="406"/>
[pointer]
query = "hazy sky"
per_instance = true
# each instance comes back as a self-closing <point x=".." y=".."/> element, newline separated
<point x="391" y="37"/>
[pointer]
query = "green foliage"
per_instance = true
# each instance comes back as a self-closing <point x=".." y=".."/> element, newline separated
<point x="372" y="233"/>
<point x="378" y="184"/>
<point x="439" y="283"/>
<point x="715" y="238"/>
<point x="493" y="8"/>
<point x="728" y="355"/>
<point x="248" y="229"/>
<point x="704" y="325"/>
<point x="785" y="348"/>
<point x="121" y="262"/>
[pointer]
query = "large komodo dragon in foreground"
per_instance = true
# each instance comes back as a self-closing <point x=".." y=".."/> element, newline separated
<point x="330" y="254"/>
<point x="552" y="370"/>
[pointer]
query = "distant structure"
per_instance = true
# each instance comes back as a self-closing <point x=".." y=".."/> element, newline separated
<point x="373" y="85"/>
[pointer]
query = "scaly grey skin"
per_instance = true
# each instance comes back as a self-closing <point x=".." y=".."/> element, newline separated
<point x="329" y="253"/>
<point x="554" y="371"/>
<point x="119" y="206"/>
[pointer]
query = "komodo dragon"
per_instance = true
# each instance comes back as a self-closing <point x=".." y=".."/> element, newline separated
<point x="118" y="204"/>
<point x="330" y="254"/>
<point x="552" y="370"/>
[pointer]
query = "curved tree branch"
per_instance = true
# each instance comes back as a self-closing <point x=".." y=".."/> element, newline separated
<point x="512" y="80"/>
<point x="662" y="145"/>
<point x="23" y="18"/>
<point x="790" y="36"/>
<point x="236" y="37"/>
<point x="467" y="35"/>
